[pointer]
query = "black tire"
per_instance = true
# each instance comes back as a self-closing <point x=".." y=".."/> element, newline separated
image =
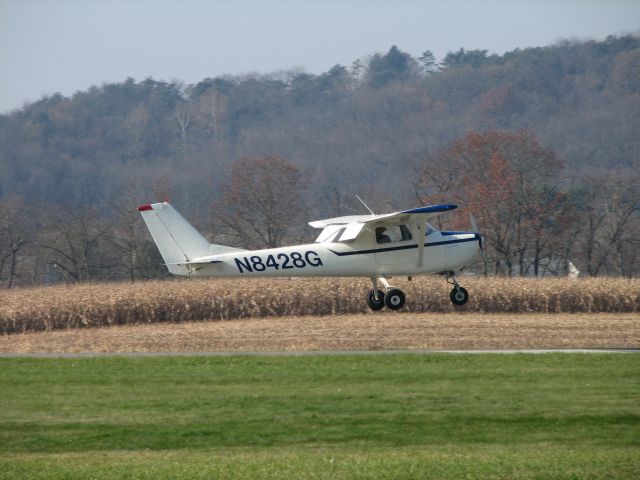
<point x="374" y="304"/>
<point x="459" y="296"/>
<point x="394" y="299"/>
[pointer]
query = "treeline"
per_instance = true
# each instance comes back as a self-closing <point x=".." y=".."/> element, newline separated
<point x="536" y="220"/>
<point x="73" y="169"/>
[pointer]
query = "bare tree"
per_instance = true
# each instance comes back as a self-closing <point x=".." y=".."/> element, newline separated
<point x="262" y="201"/>
<point x="609" y="223"/>
<point x="183" y="119"/>
<point x="212" y="110"/>
<point x="71" y="242"/>
<point x="136" y="124"/>
<point x="127" y="239"/>
<point x="15" y="234"/>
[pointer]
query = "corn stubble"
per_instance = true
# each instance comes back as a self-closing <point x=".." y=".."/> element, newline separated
<point x="105" y="304"/>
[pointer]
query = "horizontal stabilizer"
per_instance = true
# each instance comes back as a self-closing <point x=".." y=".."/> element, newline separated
<point x="196" y="262"/>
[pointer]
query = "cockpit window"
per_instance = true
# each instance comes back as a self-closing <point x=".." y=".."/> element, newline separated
<point x="428" y="230"/>
<point x="393" y="233"/>
<point x="331" y="233"/>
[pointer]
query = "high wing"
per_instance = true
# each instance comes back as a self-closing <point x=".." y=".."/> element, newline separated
<point x="420" y="212"/>
<point x="413" y="215"/>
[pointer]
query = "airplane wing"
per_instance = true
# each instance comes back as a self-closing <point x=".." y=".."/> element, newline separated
<point x="419" y="214"/>
<point x="341" y="220"/>
<point x="424" y="212"/>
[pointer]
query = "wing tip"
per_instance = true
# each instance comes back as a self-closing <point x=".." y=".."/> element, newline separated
<point x="433" y="209"/>
<point x="152" y="206"/>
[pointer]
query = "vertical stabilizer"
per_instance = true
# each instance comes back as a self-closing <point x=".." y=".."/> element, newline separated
<point x="176" y="239"/>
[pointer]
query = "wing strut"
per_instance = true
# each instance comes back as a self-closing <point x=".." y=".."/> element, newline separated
<point x="418" y="234"/>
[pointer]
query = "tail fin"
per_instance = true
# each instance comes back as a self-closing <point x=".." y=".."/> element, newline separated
<point x="177" y="241"/>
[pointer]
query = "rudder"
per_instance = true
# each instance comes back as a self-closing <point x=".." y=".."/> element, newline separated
<point x="176" y="239"/>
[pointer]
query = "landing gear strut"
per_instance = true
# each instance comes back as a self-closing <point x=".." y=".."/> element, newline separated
<point x="459" y="295"/>
<point x="393" y="299"/>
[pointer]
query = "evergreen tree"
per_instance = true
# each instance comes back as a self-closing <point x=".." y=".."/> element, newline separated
<point x="393" y="66"/>
<point x="428" y="61"/>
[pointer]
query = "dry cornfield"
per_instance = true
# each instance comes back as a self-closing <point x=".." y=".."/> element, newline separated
<point x="104" y="304"/>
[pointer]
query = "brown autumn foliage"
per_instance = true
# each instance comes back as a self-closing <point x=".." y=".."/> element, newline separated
<point x="510" y="183"/>
<point x="106" y="304"/>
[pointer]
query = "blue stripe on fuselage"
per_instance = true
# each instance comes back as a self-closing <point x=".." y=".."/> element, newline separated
<point x="447" y="234"/>
<point x="405" y="247"/>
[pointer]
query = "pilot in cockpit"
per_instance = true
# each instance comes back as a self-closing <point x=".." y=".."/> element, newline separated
<point x="381" y="236"/>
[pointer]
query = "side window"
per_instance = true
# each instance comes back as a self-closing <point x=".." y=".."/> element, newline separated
<point x="405" y="233"/>
<point x="393" y="233"/>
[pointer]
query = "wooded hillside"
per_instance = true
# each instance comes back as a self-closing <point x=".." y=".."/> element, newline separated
<point x="73" y="169"/>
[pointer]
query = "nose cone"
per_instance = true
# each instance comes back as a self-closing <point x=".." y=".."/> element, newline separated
<point x="462" y="248"/>
<point x="480" y="239"/>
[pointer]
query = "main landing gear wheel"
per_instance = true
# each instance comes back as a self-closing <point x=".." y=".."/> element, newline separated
<point x="394" y="299"/>
<point x="459" y="296"/>
<point x="374" y="304"/>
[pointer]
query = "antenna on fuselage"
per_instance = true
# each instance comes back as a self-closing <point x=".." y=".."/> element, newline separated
<point x="365" y="205"/>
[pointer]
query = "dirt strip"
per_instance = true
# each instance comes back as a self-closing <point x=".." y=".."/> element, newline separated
<point x="386" y="331"/>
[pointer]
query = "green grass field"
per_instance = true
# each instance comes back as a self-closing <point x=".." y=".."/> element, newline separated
<point x="383" y="416"/>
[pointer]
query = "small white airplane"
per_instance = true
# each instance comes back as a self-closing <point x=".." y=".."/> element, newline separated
<point x="375" y="246"/>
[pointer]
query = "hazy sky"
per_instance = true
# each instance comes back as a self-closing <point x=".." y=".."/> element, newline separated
<point x="49" y="46"/>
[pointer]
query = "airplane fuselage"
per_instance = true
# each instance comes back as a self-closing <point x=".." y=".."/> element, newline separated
<point x="443" y="252"/>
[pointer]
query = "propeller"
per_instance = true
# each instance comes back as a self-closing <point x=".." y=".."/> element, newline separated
<point x="474" y="225"/>
<point x="474" y="229"/>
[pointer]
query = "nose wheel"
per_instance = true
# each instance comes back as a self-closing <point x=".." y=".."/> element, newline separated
<point x="393" y="299"/>
<point x="458" y="295"/>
